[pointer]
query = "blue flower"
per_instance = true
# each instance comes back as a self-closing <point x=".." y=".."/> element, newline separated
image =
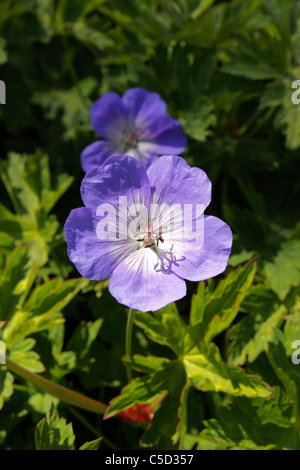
<point x="136" y="124"/>
<point x="142" y="229"/>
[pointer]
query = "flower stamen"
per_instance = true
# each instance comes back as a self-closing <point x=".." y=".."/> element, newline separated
<point x="148" y="237"/>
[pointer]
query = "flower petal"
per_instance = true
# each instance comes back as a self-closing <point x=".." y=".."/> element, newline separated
<point x="95" y="154"/>
<point x="204" y="258"/>
<point x="164" y="136"/>
<point x="175" y="182"/>
<point x="108" y="116"/>
<point x="118" y="176"/>
<point x="95" y="259"/>
<point x="143" y="156"/>
<point x="143" y="106"/>
<point x="139" y="282"/>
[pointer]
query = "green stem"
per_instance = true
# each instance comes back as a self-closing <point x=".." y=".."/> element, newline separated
<point x="128" y="340"/>
<point x="64" y="394"/>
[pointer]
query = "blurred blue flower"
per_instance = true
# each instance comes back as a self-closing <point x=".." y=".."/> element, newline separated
<point x="136" y="124"/>
<point x="132" y="230"/>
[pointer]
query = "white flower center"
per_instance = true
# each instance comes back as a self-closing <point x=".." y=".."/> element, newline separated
<point x="130" y="139"/>
<point x="147" y="235"/>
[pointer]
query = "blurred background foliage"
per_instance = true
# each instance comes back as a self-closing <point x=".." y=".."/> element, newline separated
<point x="225" y="69"/>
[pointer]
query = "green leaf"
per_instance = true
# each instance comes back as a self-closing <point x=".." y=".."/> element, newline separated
<point x="260" y="423"/>
<point x="283" y="272"/>
<point x="273" y="94"/>
<point x="42" y="402"/>
<point x="201" y="8"/>
<point x="295" y="42"/>
<point x="288" y="116"/>
<point x="292" y="326"/>
<point x="287" y="372"/>
<point x="207" y="371"/>
<point x="90" y="36"/>
<point x="259" y="335"/>
<point x="92" y="445"/>
<point x="165" y="420"/>
<point x="197" y="120"/>
<point x="20" y="352"/>
<point x="69" y="102"/>
<point x="182" y="414"/>
<point x="3" y="53"/>
<point x="145" y="389"/>
<point x="38" y="178"/>
<point x="53" y="296"/>
<point x="163" y="326"/>
<point x="213" y="313"/>
<point x="200" y="32"/>
<point x="280" y="12"/>
<point x="6" y="385"/>
<point x="42" y="310"/>
<point x="53" y="433"/>
<point x="10" y="228"/>
<point x="83" y="338"/>
<point x="145" y="364"/>
<point x="258" y="57"/>
<point x="27" y="180"/>
<point x="16" y="280"/>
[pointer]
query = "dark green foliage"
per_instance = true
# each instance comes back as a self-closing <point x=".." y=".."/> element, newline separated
<point x="216" y="369"/>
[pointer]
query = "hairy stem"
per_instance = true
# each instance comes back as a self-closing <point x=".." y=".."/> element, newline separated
<point x="63" y="393"/>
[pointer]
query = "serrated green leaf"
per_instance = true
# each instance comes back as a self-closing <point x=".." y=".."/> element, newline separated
<point x="213" y="313"/>
<point x="27" y="180"/>
<point x="17" y="278"/>
<point x="42" y="310"/>
<point x="258" y="57"/>
<point x="259" y="334"/>
<point x="53" y="433"/>
<point x="163" y="326"/>
<point x="92" y="445"/>
<point x="207" y="371"/>
<point x="284" y="272"/>
<point x="20" y="352"/>
<point x="260" y="423"/>
<point x="53" y="296"/>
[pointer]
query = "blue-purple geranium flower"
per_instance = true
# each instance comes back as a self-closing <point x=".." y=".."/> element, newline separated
<point x="135" y="124"/>
<point x="130" y="232"/>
